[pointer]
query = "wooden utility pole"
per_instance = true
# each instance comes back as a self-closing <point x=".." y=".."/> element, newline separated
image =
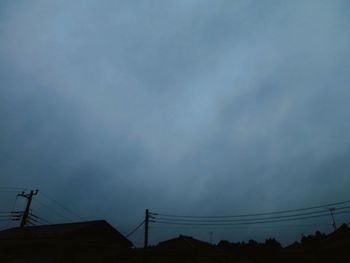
<point x="29" y="201"/>
<point x="146" y="228"/>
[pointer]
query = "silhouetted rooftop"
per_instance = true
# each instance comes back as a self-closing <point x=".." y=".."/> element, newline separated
<point x="90" y="229"/>
<point x="184" y="242"/>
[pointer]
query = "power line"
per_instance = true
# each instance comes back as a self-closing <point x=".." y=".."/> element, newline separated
<point x="256" y="219"/>
<point x="135" y="229"/>
<point x="40" y="218"/>
<point x="70" y="219"/>
<point x="7" y="216"/>
<point x="255" y="214"/>
<point x="33" y="219"/>
<point x="61" y="205"/>
<point x="238" y="226"/>
<point x="219" y="220"/>
<point x="12" y="211"/>
<point x="57" y="203"/>
<point x="245" y="223"/>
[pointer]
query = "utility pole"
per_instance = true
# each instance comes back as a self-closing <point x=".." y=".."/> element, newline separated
<point x="146" y="228"/>
<point x="29" y="201"/>
<point x="331" y="210"/>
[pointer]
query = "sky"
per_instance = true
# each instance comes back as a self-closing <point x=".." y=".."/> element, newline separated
<point x="183" y="107"/>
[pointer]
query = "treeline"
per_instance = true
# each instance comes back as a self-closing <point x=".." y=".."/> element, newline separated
<point x="252" y="250"/>
<point x="317" y="247"/>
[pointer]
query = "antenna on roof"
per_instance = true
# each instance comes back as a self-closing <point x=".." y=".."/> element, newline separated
<point x="331" y="210"/>
<point x="211" y="233"/>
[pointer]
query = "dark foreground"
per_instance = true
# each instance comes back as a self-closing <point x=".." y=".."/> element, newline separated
<point x="97" y="241"/>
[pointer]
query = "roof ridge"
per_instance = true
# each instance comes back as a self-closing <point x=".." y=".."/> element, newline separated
<point x="185" y="238"/>
<point x="55" y="225"/>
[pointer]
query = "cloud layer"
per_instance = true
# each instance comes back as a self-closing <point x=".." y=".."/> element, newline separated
<point x="189" y="107"/>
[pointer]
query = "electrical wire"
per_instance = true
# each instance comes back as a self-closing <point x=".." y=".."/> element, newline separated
<point x="246" y="223"/>
<point x="40" y="218"/>
<point x="30" y="219"/>
<point x="12" y="212"/>
<point x="61" y="205"/>
<point x="238" y="226"/>
<point x="70" y="219"/>
<point x="255" y="214"/>
<point x="247" y="219"/>
<point x="2" y="216"/>
<point x="135" y="229"/>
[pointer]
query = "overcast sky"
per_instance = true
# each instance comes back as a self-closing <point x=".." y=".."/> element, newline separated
<point x="184" y="107"/>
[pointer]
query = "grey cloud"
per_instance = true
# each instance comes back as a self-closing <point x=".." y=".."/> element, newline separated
<point x="186" y="107"/>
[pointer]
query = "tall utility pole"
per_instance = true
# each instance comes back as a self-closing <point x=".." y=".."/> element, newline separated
<point x="146" y="228"/>
<point x="331" y="210"/>
<point x="29" y="201"/>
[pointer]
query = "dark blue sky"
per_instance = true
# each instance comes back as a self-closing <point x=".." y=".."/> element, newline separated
<point x="188" y="107"/>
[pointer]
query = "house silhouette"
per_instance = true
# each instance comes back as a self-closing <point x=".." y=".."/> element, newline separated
<point x="180" y="249"/>
<point x="91" y="241"/>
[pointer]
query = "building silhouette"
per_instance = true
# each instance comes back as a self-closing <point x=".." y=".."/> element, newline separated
<point x="92" y="241"/>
